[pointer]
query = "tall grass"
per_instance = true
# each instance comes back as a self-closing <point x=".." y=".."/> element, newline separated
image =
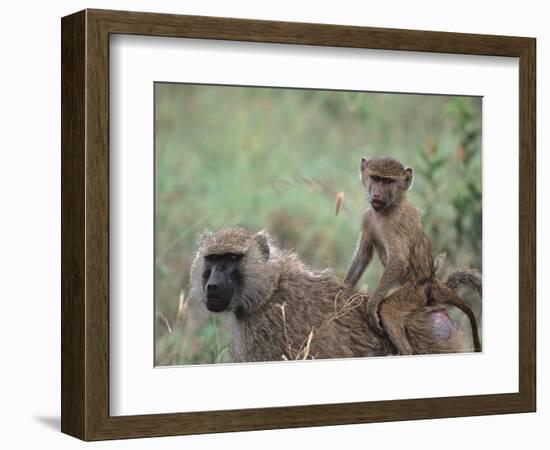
<point x="276" y="159"/>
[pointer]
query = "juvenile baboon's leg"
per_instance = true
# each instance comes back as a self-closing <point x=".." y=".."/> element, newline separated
<point x="395" y="329"/>
<point x="391" y="277"/>
<point x="394" y="311"/>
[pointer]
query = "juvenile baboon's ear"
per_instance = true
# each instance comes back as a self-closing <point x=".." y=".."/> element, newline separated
<point x="407" y="178"/>
<point x="263" y="243"/>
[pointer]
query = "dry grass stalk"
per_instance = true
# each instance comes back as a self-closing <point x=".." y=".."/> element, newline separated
<point x="182" y="307"/>
<point x="439" y="261"/>
<point x="165" y="321"/>
<point x="305" y="348"/>
<point x="285" y="330"/>
<point x="349" y="304"/>
<point x="303" y="352"/>
<point x="339" y="202"/>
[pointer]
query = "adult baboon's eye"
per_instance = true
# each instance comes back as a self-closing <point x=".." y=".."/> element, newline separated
<point x="234" y="256"/>
<point x="236" y="276"/>
<point x="206" y="274"/>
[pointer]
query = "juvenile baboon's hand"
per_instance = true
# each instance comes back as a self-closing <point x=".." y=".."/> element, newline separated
<point x="374" y="318"/>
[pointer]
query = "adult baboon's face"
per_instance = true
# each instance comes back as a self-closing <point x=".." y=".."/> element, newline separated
<point x="222" y="280"/>
<point x="233" y="271"/>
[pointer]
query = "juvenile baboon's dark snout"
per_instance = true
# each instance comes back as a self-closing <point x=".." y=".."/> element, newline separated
<point x="377" y="197"/>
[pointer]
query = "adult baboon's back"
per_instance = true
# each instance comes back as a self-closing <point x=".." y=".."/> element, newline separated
<point x="281" y="309"/>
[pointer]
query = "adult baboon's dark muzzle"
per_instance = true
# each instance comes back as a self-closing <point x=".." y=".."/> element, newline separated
<point x="218" y="290"/>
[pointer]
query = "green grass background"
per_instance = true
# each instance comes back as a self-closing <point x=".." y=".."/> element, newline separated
<point x="270" y="158"/>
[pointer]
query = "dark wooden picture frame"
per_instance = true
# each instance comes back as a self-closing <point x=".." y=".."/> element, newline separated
<point x="85" y="224"/>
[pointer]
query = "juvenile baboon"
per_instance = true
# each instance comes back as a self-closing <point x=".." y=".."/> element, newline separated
<point x="394" y="228"/>
<point x="281" y="309"/>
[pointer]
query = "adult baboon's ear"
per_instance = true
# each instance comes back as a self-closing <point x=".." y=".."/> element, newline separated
<point x="363" y="167"/>
<point x="262" y="240"/>
<point x="205" y="234"/>
<point x="407" y="178"/>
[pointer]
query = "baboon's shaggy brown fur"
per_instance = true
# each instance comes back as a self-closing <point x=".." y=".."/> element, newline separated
<point x="295" y="312"/>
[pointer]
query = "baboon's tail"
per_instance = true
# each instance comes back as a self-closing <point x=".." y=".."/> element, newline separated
<point x="464" y="278"/>
<point x="446" y="293"/>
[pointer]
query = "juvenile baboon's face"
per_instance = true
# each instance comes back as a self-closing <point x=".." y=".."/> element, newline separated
<point x="381" y="191"/>
<point x="222" y="280"/>
<point x="385" y="181"/>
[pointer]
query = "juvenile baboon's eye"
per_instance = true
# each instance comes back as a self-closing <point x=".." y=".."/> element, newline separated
<point x="234" y="256"/>
<point x="206" y="274"/>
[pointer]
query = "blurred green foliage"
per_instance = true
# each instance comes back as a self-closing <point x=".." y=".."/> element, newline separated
<point x="269" y="158"/>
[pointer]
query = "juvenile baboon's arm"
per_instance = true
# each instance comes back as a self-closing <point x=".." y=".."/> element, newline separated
<point x="361" y="259"/>
<point x="392" y="276"/>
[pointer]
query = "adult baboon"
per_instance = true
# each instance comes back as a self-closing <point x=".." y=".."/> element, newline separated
<point x="281" y="309"/>
<point x="393" y="227"/>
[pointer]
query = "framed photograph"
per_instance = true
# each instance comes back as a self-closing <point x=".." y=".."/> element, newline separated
<point x="272" y="224"/>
